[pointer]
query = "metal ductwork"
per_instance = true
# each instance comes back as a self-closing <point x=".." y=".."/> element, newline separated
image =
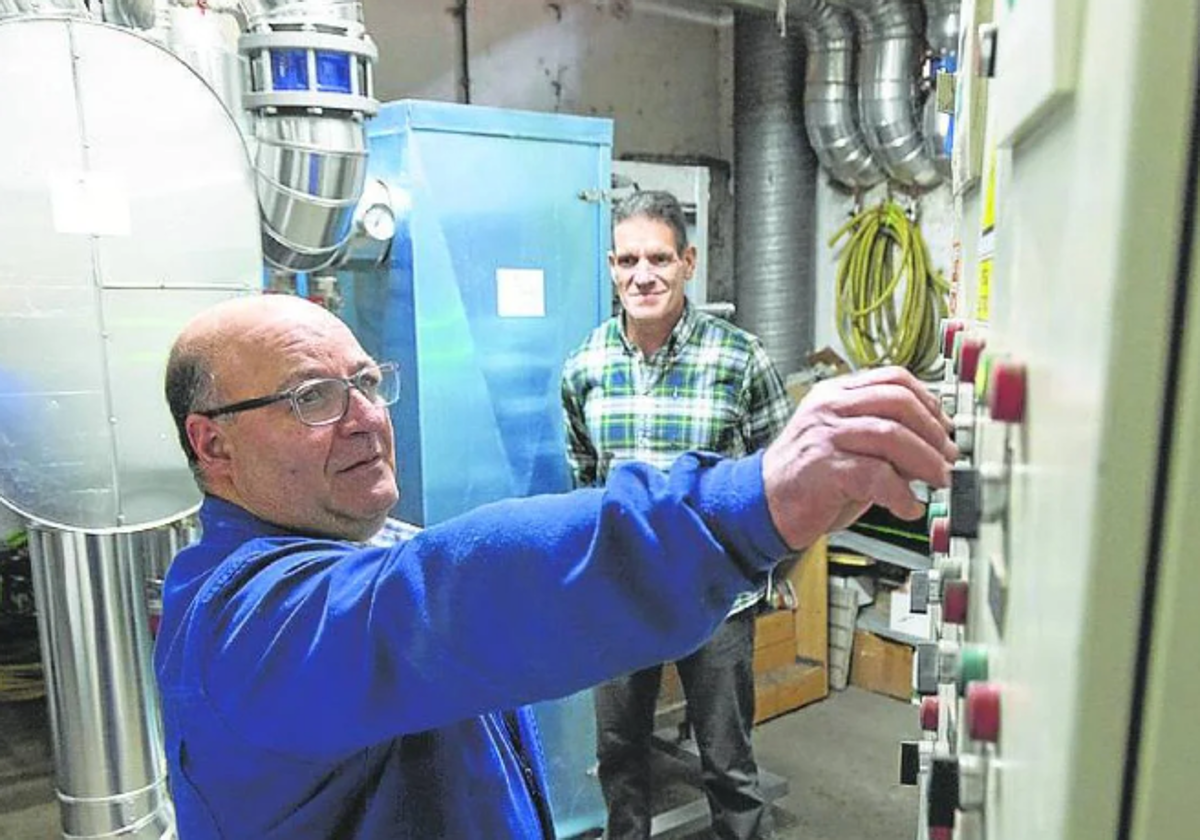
<point x="131" y="14"/>
<point x="43" y="8"/>
<point x="122" y="217"/>
<point x="890" y="56"/>
<point x="942" y="26"/>
<point x="941" y="32"/>
<point x="831" y="96"/>
<point x="776" y="176"/>
<point x="310" y="88"/>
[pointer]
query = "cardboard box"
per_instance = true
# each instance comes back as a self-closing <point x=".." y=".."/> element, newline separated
<point x="882" y="666"/>
<point x="820" y="364"/>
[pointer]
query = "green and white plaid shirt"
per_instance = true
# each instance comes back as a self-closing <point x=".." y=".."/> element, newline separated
<point x="710" y="388"/>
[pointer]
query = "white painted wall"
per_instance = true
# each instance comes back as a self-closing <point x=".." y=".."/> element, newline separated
<point x="834" y="209"/>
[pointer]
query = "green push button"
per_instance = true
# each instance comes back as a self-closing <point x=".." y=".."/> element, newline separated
<point x="935" y="509"/>
<point x="973" y="666"/>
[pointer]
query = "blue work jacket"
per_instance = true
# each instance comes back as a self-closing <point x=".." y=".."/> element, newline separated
<point x="314" y="688"/>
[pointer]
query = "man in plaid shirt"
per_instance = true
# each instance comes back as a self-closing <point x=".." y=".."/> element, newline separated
<point x="647" y="385"/>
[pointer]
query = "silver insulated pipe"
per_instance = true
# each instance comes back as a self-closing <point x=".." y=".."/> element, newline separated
<point x="90" y="591"/>
<point x="91" y="299"/>
<point x="831" y="97"/>
<point x="890" y="57"/>
<point x="941" y="32"/>
<point x="775" y="199"/>
<point x="310" y="87"/>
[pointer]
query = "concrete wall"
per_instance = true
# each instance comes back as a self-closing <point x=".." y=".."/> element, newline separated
<point x="662" y="71"/>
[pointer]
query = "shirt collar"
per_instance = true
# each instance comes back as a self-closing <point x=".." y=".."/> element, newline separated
<point x="679" y="336"/>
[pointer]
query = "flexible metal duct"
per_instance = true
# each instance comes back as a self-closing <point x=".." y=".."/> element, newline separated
<point x="831" y="96"/>
<point x="890" y="55"/>
<point x="311" y="86"/>
<point x="775" y="199"/>
<point x="941" y="32"/>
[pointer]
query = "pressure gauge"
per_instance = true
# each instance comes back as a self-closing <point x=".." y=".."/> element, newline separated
<point x="379" y="222"/>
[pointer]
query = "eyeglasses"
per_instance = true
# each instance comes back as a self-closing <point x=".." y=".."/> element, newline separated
<point x="320" y="402"/>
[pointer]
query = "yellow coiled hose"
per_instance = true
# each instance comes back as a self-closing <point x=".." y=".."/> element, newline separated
<point x="885" y="253"/>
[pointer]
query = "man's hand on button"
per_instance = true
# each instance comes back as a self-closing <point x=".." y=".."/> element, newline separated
<point x="856" y="441"/>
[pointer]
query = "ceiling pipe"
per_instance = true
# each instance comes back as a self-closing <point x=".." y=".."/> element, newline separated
<point x="831" y="90"/>
<point x="891" y="52"/>
<point x="831" y="97"/>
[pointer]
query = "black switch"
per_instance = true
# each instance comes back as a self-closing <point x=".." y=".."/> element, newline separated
<point x="964" y="502"/>
<point x="942" y="794"/>
<point x="910" y="762"/>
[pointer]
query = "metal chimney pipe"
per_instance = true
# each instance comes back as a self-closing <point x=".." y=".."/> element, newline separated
<point x="310" y="88"/>
<point x="775" y="199"/>
<point x="90" y="592"/>
<point x="890" y="56"/>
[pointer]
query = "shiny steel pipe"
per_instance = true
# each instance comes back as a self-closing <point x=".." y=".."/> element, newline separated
<point x="90" y="592"/>
<point x="890" y="56"/>
<point x="310" y="139"/>
<point x="831" y="97"/>
<point x="311" y="171"/>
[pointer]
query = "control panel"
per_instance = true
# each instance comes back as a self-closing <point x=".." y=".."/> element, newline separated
<point x="1040" y="684"/>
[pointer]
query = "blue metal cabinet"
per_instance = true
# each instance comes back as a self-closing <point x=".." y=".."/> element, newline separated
<point x="497" y="271"/>
<point x="480" y="191"/>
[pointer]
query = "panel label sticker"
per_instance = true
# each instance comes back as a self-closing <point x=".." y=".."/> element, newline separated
<point x="520" y="293"/>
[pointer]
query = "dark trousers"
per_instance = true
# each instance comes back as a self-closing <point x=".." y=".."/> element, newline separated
<point x="718" y="682"/>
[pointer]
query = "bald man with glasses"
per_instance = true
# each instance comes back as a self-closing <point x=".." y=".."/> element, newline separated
<point x="327" y="672"/>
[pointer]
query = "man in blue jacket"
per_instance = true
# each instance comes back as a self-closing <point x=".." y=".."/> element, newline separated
<point x="327" y="674"/>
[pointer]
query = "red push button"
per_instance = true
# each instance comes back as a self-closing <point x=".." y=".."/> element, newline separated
<point x="939" y="535"/>
<point x="968" y="358"/>
<point x="941" y="832"/>
<point x="954" y="601"/>
<point x="931" y="709"/>
<point x="1006" y="392"/>
<point x="983" y="711"/>
<point x="949" y="330"/>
